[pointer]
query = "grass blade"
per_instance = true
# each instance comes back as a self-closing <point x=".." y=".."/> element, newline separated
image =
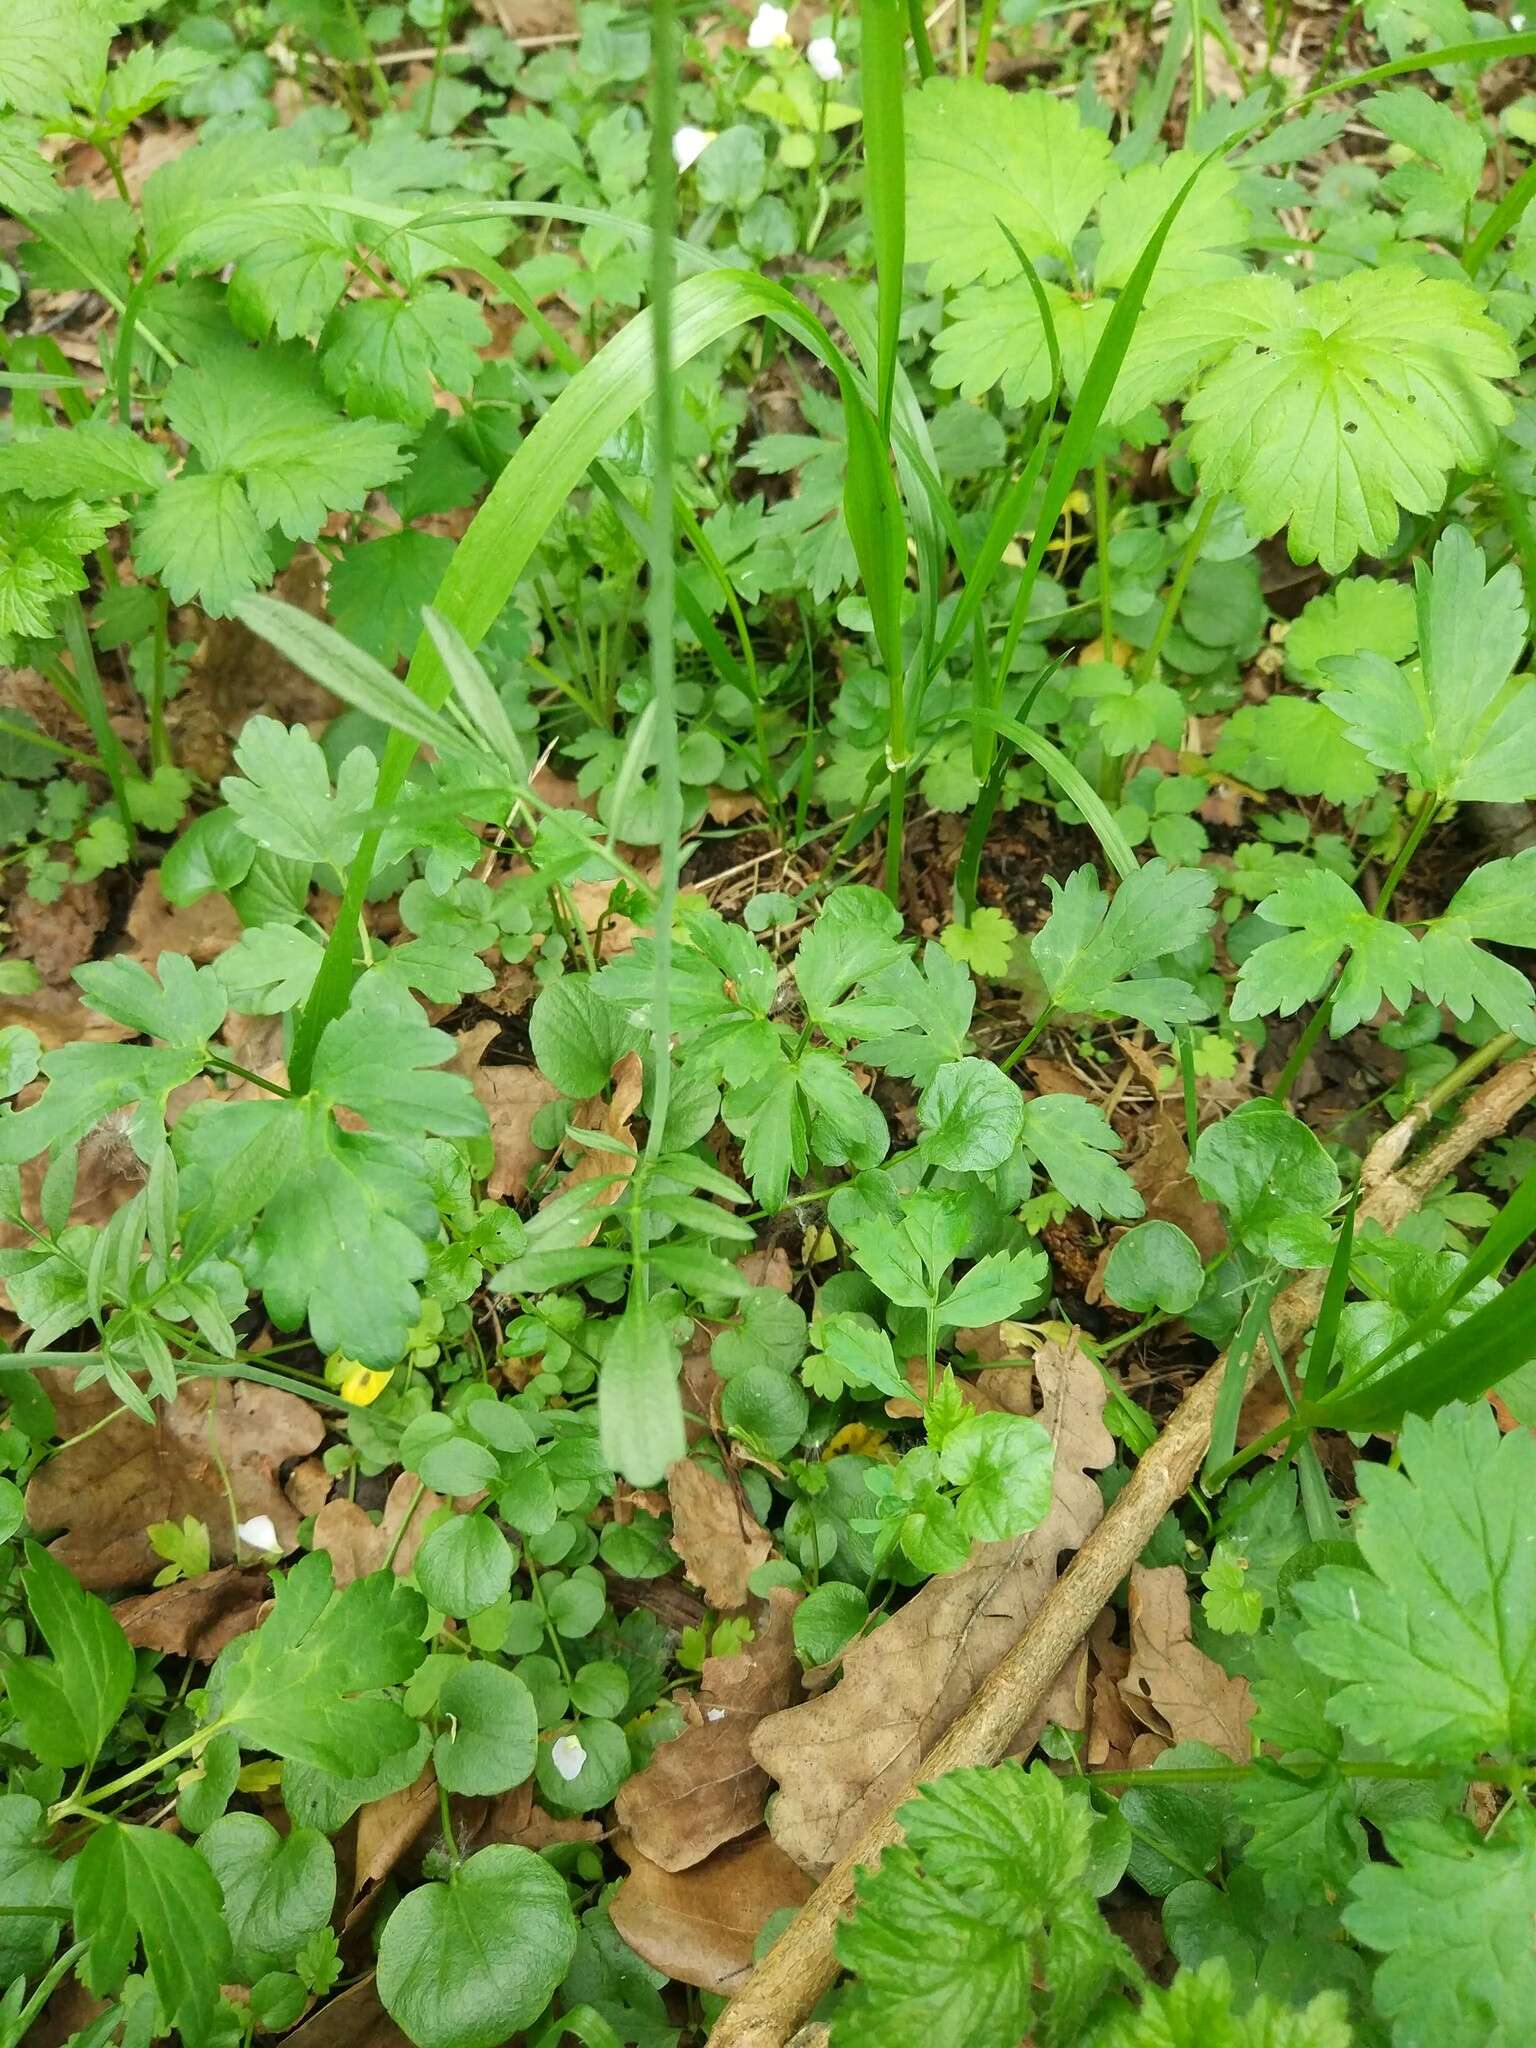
<point x="885" y="179"/>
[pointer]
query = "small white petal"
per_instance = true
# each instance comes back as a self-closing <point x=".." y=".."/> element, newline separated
<point x="714" y="1713"/>
<point x="770" y="27"/>
<point x="568" y="1756"/>
<point x="259" y="1533"/>
<point x="821" y="55"/>
<point x="689" y="144"/>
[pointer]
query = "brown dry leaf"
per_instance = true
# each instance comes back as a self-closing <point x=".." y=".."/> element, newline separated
<point x="309" y="1486"/>
<point x="703" y="1788"/>
<point x="58" y="1016"/>
<point x="699" y="1925"/>
<point x="715" y="1533"/>
<point x="57" y="936"/>
<point x="386" y="1829"/>
<point x="726" y="806"/>
<point x="196" y="1617"/>
<point x="837" y="1758"/>
<point x="768" y="1269"/>
<point x="1161" y="1176"/>
<point x="612" y="1119"/>
<point x="517" y="1817"/>
<point x="358" y="1545"/>
<point x="103" y="1492"/>
<point x="355" y="2019"/>
<point x="1171" y="1682"/>
<point x="511" y="1098"/>
<point x="202" y="930"/>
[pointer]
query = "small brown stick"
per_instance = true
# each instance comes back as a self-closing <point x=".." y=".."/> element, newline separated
<point x="801" y="1965"/>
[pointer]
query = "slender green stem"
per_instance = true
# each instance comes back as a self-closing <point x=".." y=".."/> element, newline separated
<point x="984" y="30"/>
<point x="370" y="56"/>
<point x="1101" y="530"/>
<point x="93" y="704"/>
<point x="1336" y="41"/>
<point x="10" y="730"/>
<point x="1029" y="1038"/>
<point x="159" y="739"/>
<point x="1476" y="1062"/>
<point x="1196" y="60"/>
<point x="895" y="827"/>
<point x="1349" y="1767"/>
<point x="1181" y="575"/>
<point x="83" y="1803"/>
<point x="388" y="1561"/>
<point x="439" y="47"/>
<point x="917" y="23"/>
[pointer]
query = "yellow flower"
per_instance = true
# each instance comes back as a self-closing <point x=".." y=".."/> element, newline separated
<point x="362" y="1385"/>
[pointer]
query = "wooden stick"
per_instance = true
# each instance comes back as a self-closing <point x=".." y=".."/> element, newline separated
<point x="801" y="1965"/>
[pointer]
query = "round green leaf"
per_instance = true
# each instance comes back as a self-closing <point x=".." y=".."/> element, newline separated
<point x="545" y="1680"/>
<point x="1154" y="1266"/>
<point x="576" y="1036"/>
<point x="601" y="1689"/>
<point x="1002" y="1466"/>
<point x="464" y="1565"/>
<point x="491" y="1731"/>
<point x="12" y="1509"/>
<point x="576" y="1605"/>
<point x="583" y="1766"/>
<point x="972" y="1117"/>
<point x="467" y="1963"/>
<point x="767" y="1408"/>
<point x="827" y="1620"/>
<point x="277" y="1888"/>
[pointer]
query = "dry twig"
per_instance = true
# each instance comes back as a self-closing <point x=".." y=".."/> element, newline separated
<point x="801" y="1965"/>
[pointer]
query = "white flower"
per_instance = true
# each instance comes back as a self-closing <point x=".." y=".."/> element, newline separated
<point x="689" y="144"/>
<point x="259" y="1533"/>
<point x="821" y="55"/>
<point x="714" y="1713"/>
<point x="568" y="1756"/>
<point x="770" y="28"/>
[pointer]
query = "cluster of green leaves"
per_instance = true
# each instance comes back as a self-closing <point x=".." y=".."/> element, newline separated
<point x="1392" y="1670"/>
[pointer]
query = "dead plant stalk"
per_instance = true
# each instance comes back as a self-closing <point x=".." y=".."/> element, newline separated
<point x="801" y="1965"/>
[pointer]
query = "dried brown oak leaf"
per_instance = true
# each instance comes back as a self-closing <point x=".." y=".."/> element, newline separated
<point x="715" y="1533"/>
<point x="196" y="1617"/>
<point x="358" y="1545"/>
<point x="511" y="1098"/>
<point x="836" y="1758"/>
<point x="354" y="2019"/>
<point x="700" y="1925"/>
<point x="703" y="1788"/>
<point x="611" y="1118"/>
<point x="1173" y="1678"/>
<point x="104" y="1491"/>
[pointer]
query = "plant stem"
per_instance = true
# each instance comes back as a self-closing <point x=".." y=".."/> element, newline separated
<point x="1029" y="1038"/>
<point x="1468" y="1069"/>
<point x="439" y="47"/>
<point x="893" y="833"/>
<point x="93" y="704"/>
<point x="1101" y="530"/>
<point x="917" y="23"/>
<point x="82" y="1804"/>
<point x="1196" y="61"/>
<point x="159" y="740"/>
<point x="661" y="605"/>
<point x="1349" y="1767"/>
<point x="387" y="1563"/>
<point x="1176" y="588"/>
<point x="984" y="36"/>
